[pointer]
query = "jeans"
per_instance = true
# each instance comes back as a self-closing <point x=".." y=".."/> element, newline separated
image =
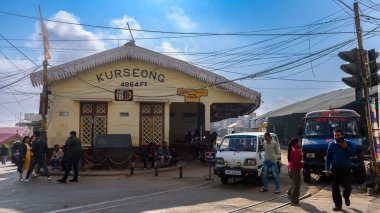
<point x="162" y="158"/>
<point x="273" y="165"/>
<point x="54" y="163"/>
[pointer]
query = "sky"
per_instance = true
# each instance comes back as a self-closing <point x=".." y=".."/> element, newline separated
<point x="292" y="45"/>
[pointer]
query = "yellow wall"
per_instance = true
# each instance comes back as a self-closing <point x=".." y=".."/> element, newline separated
<point x="67" y="94"/>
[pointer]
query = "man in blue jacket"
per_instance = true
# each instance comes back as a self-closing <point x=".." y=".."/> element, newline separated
<point x="338" y="163"/>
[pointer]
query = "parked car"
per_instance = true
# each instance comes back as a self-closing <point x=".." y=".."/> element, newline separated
<point x="241" y="156"/>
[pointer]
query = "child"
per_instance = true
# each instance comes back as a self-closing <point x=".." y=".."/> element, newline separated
<point x="295" y="166"/>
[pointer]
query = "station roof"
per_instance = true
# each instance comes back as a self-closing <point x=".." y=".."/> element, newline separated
<point x="130" y="51"/>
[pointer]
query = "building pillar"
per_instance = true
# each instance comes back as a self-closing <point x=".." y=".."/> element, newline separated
<point x="207" y="117"/>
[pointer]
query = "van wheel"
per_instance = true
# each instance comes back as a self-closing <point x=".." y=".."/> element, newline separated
<point x="224" y="180"/>
<point x="306" y="176"/>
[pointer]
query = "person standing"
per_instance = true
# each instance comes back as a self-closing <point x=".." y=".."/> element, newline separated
<point x="270" y="161"/>
<point x="24" y="157"/>
<point x="4" y="154"/>
<point x="295" y="166"/>
<point x="40" y="154"/>
<point x="73" y="151"/>
<point x="338" y="164"/>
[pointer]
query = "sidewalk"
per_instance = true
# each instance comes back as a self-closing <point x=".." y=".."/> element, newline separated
<point x="104" y="172"/>
<point x="322" y="202"/>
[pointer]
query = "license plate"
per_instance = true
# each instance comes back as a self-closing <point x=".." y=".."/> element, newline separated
<point x="233" y="172"/>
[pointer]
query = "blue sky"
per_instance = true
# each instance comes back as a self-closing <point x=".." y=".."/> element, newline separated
<point x="318" y="24"/>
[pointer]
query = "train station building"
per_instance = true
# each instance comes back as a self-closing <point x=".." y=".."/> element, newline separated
<point x="136" y="91"/>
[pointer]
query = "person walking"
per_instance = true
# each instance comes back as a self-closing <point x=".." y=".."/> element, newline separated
<point x="295" y="166"/>
<point x="24" y="157"/>
<point x="338" y="164"/>
<point x="73" y="151"/>
<point x="271" y="148"/>
<point x="40" y="153"/>
<point x="3" y="154"/>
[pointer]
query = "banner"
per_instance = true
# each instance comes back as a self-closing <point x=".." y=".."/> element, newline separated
<point x="375" y="129"/>
<point x="45" y="36"/>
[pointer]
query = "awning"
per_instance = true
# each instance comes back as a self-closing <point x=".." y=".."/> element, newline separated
<point x="221" y="111"/>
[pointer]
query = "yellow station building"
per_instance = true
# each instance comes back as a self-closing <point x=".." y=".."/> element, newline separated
<point x="132" y="90"/>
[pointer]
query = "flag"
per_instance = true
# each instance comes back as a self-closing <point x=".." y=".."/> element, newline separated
<point x="45" y="37"/>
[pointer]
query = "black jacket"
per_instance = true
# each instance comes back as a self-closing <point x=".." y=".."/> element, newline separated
<point x="40" y="149"/>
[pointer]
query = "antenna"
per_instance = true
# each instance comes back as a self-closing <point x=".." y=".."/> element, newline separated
<point x="133" y="40"/>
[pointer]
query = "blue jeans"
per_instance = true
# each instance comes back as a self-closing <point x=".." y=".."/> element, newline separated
<point x="267" y="165"/>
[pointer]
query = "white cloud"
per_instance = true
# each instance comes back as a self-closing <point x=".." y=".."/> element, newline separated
<point x="168" y="49"/>
<point x="177" y="15"/>
<point x="124" y="34"/>
<point x="64" y="51"/>
<point x="71" y="49"/>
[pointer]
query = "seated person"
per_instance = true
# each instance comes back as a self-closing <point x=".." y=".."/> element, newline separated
<point x="63" y="160"/>
<point x="56" y="157"/>
<point x="149" y="154"/>
<point x="174" y="159"/>
<point x="163" y="154"/>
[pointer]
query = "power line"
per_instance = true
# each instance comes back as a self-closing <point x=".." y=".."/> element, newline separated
<point x="247" y="33"/>
<point x="18" y="50"/>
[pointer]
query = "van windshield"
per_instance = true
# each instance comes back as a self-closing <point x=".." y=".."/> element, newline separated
<point x="239" y="143"/>
<point x="325" y="126"/>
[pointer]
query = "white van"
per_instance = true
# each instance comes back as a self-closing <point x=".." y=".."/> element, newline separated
<point x="241" y="156"/>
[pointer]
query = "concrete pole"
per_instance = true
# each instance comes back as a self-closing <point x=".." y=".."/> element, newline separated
<point x="364" y="75"/>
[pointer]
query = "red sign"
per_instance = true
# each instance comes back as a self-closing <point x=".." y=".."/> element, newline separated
<point x="209" y="155"/>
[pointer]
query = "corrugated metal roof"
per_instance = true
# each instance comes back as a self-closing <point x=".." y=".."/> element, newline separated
<point x="334" y="99"/>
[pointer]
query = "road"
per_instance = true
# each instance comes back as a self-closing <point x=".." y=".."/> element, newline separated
<point x="163" y="193"/>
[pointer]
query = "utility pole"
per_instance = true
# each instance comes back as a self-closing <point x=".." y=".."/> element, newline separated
<point x="44" y="96"/>
<point x="44" y="100"/>
<point x="365" y="72"/>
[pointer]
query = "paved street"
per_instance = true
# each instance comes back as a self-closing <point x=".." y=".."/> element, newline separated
<point x="145" y="192"/>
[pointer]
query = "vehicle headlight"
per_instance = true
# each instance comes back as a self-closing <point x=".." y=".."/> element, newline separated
<point x="310" y="155"/>
<point x="250" y="162"/>
<point x="219" y="161"/>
